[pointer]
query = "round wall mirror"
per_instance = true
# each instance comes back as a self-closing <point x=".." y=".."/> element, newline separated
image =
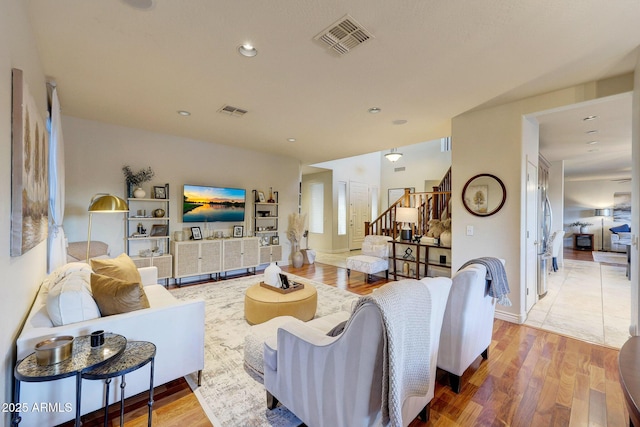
<point x="484" y="195"/>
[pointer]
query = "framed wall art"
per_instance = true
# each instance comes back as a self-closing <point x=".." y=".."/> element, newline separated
<point x="159" y="192"/>
<point x="622" y="207"/>
<point x="29" y="170"/>
<point x="396" y="193"/>
<point x="159" y="230"/>
<point x="238" y="230"/>
<point x="196" y="233"/>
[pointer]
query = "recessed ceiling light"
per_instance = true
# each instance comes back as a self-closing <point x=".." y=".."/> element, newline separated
<point x="591" y="132"/>
<point x="399" y="122"/>
<point x="592" y="142"/>
<point x="291" y="139"/>
<point x="374" y="110"/>
<point x="588" y="118"/>
<point x="247" y="50"/>
<point x="184" y="113"/>
<point x="139" y="4"/>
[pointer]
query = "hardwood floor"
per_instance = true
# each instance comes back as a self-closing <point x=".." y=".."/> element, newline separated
<point x="532" y="378"/>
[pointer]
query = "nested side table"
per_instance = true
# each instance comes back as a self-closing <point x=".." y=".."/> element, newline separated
<point x="135" y="356"/>
<point x="83" y="357"/>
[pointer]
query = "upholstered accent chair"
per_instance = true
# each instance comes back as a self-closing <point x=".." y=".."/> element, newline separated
<point x="337" y="381"/>
<point x="468" y="323"/>
<point x="556" y="244"/>
<point x="373" y="259"/>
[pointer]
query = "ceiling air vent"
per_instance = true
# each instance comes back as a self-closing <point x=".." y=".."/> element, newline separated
<point x="343" y="35"/>
<point x="401" y="169"/>
<point x="232" y="111"/>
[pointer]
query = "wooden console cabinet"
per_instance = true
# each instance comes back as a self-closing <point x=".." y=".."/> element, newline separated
<point x="196" y="257"/>
<point x="583" y="241"/>
<point x="201" y="257"/>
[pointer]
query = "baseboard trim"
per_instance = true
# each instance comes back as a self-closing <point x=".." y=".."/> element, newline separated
<point x="510" y="317"/>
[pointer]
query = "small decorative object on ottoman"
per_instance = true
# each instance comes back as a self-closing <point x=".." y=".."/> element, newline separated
<point x="262" y="304"/>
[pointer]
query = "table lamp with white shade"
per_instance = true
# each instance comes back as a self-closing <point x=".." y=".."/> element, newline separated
<point x="104" y="203"/>
<point x="408" y="217"/>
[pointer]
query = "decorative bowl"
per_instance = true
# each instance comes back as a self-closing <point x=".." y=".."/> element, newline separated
<point x="54" y="350"/>
<point x="158" y="213"/>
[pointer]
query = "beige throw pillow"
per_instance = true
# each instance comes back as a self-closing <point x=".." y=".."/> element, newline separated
<point x="115" y="296"/>
<point x="122" y="267"/>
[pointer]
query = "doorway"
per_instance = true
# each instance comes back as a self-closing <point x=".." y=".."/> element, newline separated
<point x="358" y="213"/>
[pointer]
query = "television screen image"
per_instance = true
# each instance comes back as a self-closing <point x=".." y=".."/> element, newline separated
<point x="213" y="204"/>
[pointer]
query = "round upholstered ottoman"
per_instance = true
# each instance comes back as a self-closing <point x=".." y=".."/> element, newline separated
<point x="262" y="304"/>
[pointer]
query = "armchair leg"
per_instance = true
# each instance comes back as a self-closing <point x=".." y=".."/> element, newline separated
<point x="485" y="353"/>
<point x="424" y="414"/>
<point x="386" y="274"/>
<point x="272" y="401"/>
<point x="454" y="381"/>
<point x="348" y="272"/>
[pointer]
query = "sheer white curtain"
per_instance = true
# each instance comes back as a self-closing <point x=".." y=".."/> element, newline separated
<point x="57" y="246"/>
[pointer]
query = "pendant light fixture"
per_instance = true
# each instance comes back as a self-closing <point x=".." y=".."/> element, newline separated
<point x="393" y="155"/>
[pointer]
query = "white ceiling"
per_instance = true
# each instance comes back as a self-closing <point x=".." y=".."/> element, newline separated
<point x="588" y="155"/>
<point x="428" y="62"/>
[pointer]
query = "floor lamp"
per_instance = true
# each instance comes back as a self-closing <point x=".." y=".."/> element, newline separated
<point x="602" y="213"/>
<point x="104" y="203"/>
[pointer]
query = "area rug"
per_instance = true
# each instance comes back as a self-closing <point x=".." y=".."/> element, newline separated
<point x="610" y="257"/>
<point x="230" y="394"/>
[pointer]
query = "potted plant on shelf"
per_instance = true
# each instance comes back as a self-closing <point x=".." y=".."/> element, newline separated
<point x="583" y="226"/>
<point x="135" y="179"/>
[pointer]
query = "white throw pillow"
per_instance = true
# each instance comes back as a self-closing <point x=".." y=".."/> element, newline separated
<point x="70" y="300"/>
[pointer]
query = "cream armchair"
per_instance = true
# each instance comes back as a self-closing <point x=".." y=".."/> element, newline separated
<point x="337" y="381"/>
<point x="374" y="257"/>
<point x="468" y="323"/>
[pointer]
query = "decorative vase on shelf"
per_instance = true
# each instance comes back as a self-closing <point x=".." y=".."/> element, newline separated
<point x="139" y="193"/>
<point x="584" y="229"/>
<point x="296" y="257"/>
<point x="272" y="275"/>
<point x="445" y="238"/>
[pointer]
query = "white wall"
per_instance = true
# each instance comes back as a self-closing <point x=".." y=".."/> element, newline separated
<point x="421" y="162"/>
<point x="21" y="276"/>
<point x="320" y="241"/>
<point x="96" y="152"/>
<point x="581" y="198"/>
<point x="556" y="198"/>
<point x="490" y="140"/>
<point x="363" y="169"/>
<point x="635" y="200"/>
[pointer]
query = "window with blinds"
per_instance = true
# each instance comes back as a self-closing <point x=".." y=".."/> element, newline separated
<point x="342" y="208"/>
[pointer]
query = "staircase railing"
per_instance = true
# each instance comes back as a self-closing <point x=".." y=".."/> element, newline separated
<point x="431" y="205"/>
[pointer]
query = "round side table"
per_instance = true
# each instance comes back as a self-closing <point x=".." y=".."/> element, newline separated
<point x="135" y="356"/>
<point x="83" y="357"/>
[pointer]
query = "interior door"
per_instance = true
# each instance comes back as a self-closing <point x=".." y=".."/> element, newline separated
<point x="531" y="209"/>
<point x="359" y="213"/>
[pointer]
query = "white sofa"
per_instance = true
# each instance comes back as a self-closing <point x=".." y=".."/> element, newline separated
<point x="175" y="327"/>
<point x="619" y="241"/>
<point x="337" y="381"/>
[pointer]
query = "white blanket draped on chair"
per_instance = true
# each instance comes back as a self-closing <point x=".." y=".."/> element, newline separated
<point x="406" y="316"/>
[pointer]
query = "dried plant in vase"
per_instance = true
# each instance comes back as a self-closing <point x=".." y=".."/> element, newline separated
<point x="295" y="232"/>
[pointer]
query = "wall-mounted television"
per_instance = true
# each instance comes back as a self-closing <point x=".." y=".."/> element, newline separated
<point x="212" y="204"/>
